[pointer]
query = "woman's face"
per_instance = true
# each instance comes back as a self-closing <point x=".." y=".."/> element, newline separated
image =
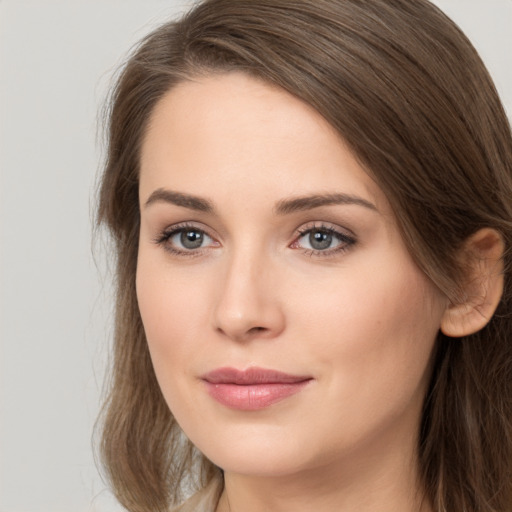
<point x="288" y="326"/>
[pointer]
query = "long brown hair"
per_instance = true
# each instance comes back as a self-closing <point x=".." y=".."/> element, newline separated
<point x="409" y="94"/>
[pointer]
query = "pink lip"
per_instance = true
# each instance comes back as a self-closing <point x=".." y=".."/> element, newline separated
<point x="252" y="389"/>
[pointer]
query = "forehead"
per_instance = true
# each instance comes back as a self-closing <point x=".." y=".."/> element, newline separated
<point x="233" y="132"/>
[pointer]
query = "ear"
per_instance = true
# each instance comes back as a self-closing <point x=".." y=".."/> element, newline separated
<point x="482" y="257"/>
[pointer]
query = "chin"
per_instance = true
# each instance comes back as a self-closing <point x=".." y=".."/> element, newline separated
<point x="255" y="450"/>
<point x="258" y="463"/>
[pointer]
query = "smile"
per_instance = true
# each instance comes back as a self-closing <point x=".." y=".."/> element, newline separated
<point x="252" y="389"/>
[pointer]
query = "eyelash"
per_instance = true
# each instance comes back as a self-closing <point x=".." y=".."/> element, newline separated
<point x="166" y="235"/>
<point x="345" y="240"/>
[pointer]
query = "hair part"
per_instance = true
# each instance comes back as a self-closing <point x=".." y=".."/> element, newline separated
<point x="409" y="94"/>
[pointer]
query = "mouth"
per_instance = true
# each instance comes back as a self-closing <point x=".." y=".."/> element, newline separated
<point x="252" y="389"/>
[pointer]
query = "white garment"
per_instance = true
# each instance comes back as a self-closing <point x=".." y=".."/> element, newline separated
<point x="205" y="500"/>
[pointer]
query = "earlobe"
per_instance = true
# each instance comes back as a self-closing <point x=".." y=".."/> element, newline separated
<point x="482" y="288"/>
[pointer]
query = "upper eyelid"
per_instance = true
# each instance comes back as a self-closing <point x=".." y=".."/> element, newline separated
<point x="328" y="226"/>
<point x="182" y="226"/>
<point x="341" y="235"/>
<point x="165" y="234"/>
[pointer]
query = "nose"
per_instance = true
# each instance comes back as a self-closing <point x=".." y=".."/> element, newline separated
<point x="248" y="305"/>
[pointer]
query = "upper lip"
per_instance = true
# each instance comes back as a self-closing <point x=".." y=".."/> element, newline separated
<point x="252" y="375"/>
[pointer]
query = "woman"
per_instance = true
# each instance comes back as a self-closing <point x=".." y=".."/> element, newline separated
<point x="311" y="203"/>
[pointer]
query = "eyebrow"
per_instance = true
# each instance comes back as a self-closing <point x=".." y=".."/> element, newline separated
<point x="180" y="199"/>
<point x="287" y="206"/>
<point x="283" y="207"/>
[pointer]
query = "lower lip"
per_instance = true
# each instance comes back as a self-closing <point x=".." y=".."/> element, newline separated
<point x="253" y="397"/>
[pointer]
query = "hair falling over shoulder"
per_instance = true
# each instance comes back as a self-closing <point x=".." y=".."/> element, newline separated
<point x="409" y="94"/>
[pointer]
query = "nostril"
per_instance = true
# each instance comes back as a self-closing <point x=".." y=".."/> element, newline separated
<point x="257" y="329"/>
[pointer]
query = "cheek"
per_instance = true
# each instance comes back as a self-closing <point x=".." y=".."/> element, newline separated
<point x="373" y="339"/>
<point x="170" y="300"/>
<point x="173" y="310"/>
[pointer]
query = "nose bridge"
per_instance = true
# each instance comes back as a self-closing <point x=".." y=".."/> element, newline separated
<point x="248" y="304"/>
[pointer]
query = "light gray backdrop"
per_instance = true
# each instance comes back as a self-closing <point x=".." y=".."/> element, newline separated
<point x="56" y="61"/>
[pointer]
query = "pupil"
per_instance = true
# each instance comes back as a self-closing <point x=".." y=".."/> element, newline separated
<point x="320" y="240"/>
<point x="191" y="239"/>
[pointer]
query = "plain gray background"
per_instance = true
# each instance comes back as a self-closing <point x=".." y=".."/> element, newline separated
<point x="56" y="61"/>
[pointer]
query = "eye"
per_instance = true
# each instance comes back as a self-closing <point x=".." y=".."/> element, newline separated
<point x="189" y="239"/>
<point x="322" y="240"/>
<point x="318" y="240"/>
<point x="185" y="240"/>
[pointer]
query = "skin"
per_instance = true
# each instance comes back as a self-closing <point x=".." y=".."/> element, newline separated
<point x="359" y="318"/>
